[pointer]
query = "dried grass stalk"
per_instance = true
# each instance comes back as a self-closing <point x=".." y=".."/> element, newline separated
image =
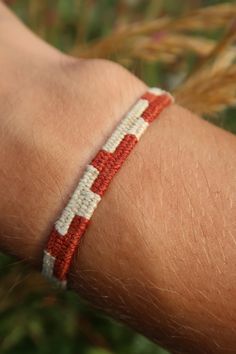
<point x="209" y="92"/>
<point x="172" y="45"/>
<point x="210" y="87"/>
<point x="208" y="18"/>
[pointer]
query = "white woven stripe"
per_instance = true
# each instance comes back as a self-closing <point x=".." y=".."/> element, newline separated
<point x="74" y="205"/>
<point x="48" y="265"/>
<point x="88" y="202"/>
<point x="138" y="128"/>
<point x="125" y="125"/>
<point x="156" y="91"/>
<point x="47" y="270"/>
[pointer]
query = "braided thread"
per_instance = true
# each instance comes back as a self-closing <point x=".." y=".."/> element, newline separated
<point x="68" y="230"/>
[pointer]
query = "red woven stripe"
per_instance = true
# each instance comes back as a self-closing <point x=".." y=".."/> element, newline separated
<point x="113" y="165"/>
<point x="150" y="97"/>
<point x="54" y="243"/>
<point x="63" y="247"/>
<point x="155" y="108"/>
<point x="101" y="159"/>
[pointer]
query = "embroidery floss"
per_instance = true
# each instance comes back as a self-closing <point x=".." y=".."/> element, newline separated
<point x="70" y="227"/>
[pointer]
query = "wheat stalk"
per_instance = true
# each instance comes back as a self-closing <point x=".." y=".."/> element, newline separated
<point x="209" y="92"/>
<point x="211" y="17"/>
<point x="211" y="87"/>
<point x="170" y="39"/>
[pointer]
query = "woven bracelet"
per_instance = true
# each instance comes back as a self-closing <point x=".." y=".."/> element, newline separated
<point x="73" y="222"/>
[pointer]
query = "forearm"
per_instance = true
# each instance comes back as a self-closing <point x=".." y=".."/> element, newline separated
<point x="160" y="252"/>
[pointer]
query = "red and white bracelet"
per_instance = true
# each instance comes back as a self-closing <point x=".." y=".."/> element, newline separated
<point x="73" y="222"/>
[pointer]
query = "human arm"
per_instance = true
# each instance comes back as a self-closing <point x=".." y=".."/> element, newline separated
<point x="160" y="250"/>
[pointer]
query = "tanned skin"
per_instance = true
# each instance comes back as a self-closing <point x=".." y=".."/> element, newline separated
<point x="160" y="253"/>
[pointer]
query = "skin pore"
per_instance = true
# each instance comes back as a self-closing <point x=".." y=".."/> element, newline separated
<point x="160" y="251"/>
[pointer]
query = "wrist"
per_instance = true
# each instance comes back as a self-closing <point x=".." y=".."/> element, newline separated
<point x="74" y="118"/>
<point x="152" y="255"/>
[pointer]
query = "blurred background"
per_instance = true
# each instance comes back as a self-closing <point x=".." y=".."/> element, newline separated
<point x="185" y="46"/>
